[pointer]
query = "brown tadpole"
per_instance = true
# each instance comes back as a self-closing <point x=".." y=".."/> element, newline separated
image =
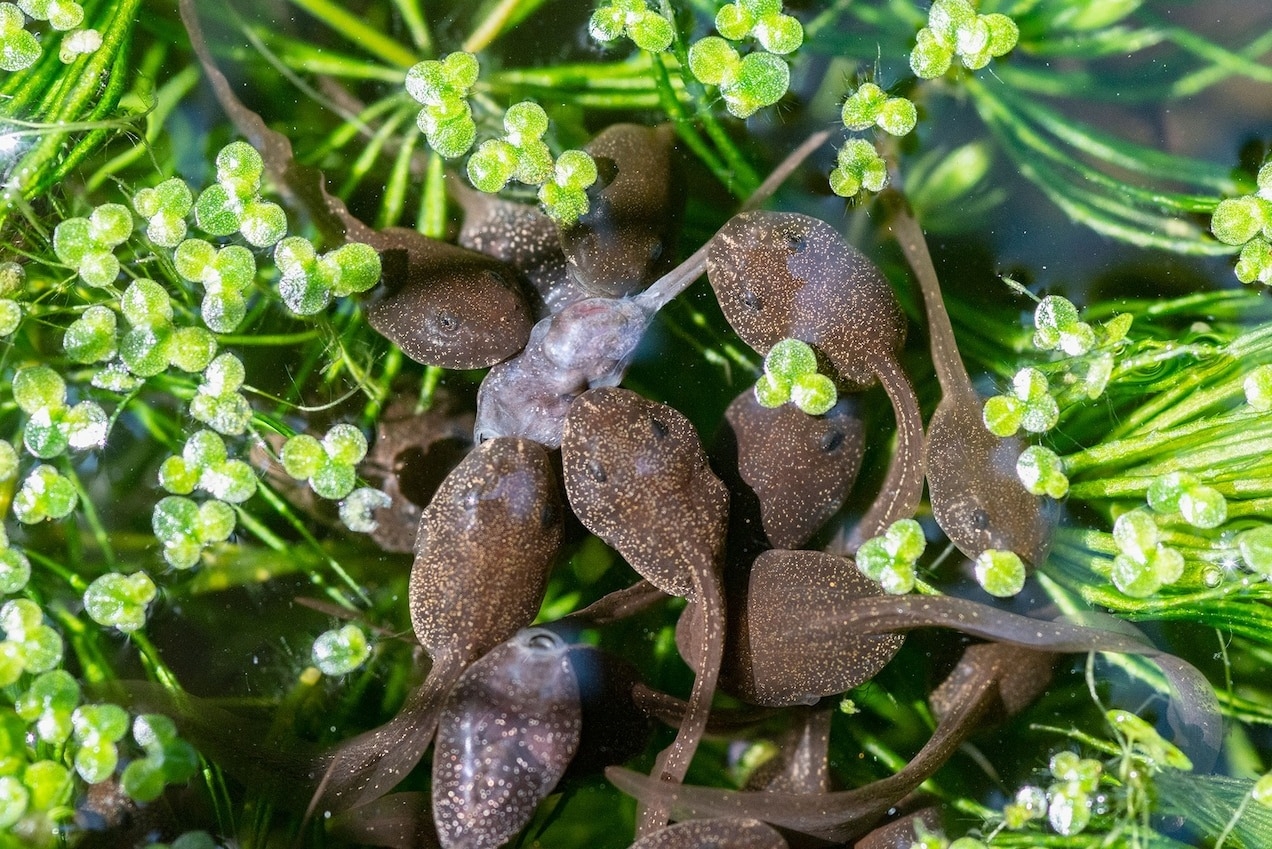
<point x="626" y="239"/>
<point x="969" y="696"/>
<point x="730" y="832"/>
<point x="486" y="543"/>
<point x="780" y="275"/>
<point x="637" y="477"/>
<point x="783" y="643"/>
<point x="977" y="497"/>
<point x="801" y="610"/>
<point x="522" y="236"/>
<point x="788" y="472"/>
<point x="443" y="305"/>
<point x="507" y="734"/>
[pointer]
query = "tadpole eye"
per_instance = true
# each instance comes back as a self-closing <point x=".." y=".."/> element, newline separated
<point x="980" y="519"/>
<point x="447" y="322"/>
<point x="544" y="641"/>
<point x="596" y="471"/>
<point x="751" y="300"/>
<point x="796" y="242"/>
<point x="832" y="440"/>
<point x="659" y="429"/>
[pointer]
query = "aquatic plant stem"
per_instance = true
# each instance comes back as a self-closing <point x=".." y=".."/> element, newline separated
<point x="358" y="30"/>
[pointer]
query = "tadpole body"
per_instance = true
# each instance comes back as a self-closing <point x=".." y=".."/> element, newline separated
<point x="784" y="646"/>
<point x="793" y="470"/>
<point x="444" y="305"/>
<point x="486" y="543"/>
<point x="637" y="477"/>
<point x="508" y="731"/>
<point x="625" y="240"/>
<point x="780" y="275"/>
<point x="977" y="497"/>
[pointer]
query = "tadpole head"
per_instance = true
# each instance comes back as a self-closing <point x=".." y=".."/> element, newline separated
<point x="977" y="497"/>
<point x="486" y="543"/>
<point x="626" y="238"/>
<point x="508" y="731"/>
<point x="787" y="644"/>
<point x="796" y="468"/>
<point x="447" y="306"/>
<point x="781" y="275"/>
<point x="637" y="478"/>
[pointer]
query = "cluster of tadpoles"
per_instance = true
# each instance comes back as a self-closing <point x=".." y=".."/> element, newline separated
<point x="557" y="313"/>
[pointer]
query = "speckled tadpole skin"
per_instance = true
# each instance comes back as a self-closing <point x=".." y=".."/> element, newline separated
<point x="977" y="497"/>
<point x="784" y="644"/>
<point x="638" y="479"/>
<point x="623" y="242"/>
<point x="486" y="543"/>
<point x="506" y="736"/>
<point x="718" y="833"/>
<point x="521" y="235"/>
<point x="781" y="275"/>
<point x="485" y="546"/>
<point x="445" y="305"/>
<point x="793" y="470"/>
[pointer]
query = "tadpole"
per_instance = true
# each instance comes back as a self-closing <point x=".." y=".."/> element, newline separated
<point x="783" y="644"/>
<point x="788" y="472"/>
<point x="802" y="609"/>
<point x="506" y="736"/>
<point x="443" y="305"/>
<point x="780" y="275"/>
<point x="977" y="497"/>
<point x="637" y="477"/>
<point x="625" y="239"/>
<point x="486" y="543"/>
<point x="972" y="692"/>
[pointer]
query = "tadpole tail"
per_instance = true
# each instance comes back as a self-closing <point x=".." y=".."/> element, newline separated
<point x="950" y="371"/>
<point x="673" y="762"/>
<point x="366" y="767"/>
<point x="838" y="816"/>
<point x="902" y="487"/>
<point x="304" y="186"/>
<point x="1193" y="713"/>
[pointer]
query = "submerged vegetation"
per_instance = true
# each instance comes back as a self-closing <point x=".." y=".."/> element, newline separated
<point x="230" y="391"/>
